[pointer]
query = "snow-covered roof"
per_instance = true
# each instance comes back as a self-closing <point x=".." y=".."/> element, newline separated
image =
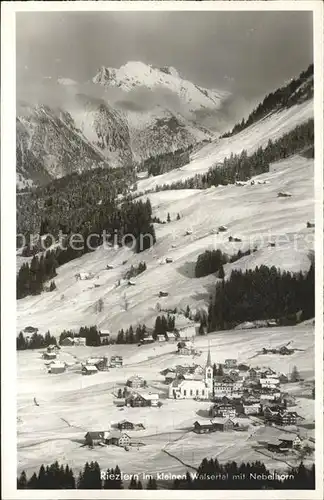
<point x="90" y="368"/>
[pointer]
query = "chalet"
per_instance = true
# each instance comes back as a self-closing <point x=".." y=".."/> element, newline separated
<point x="283" y="379"/>
<point x="163" y="294"/>
<point x="102" y="364"/>
<point x="252" y="409"/>
<point x="217" y="424"/>
<point x="118" y="438"/>
<point x="79" y="341"/>
<point x="269" y="382"/>
<point x="68" y="341"/>
<point x="188" y="232"/>
<point x="104" y="335"/>
<point x="230" y="363"/>
<point x="203" y="427"/>
<point x="168" y="260"/>
<point x="188" y="389"/>
<point x="277" y="446"/>
<point x="290" y="440"/>
<point x="189" y="332"/>
<point x="116" y="361"/>
<point x="223" y="410"/>
<point x="109" y="267"/>
<point x="185" y="348"/>
<point x="95" y="438"/>
<point x="125" y="424"/>
<point x="171" y="336"/>
<point x="222" y="229"/>
<point x="132" y="282"/>
<point x="225" y="385"/>
<point x="142" y="400"/>
<point x="254" y="373"/>
<point x="57" y="368"/>
<point x="135" y="382"/>
<point x="49" y="355"/>
<point x="147" y="340"/>
<point x="286" y="418"/>
<point x="161" y="338"/>
<point x="170" y="377"/>
<point x="310" y="224"/>
<point x="89" y="370"/>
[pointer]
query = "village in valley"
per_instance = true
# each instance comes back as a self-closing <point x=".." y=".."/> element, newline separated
<point x="165" y="251"/>
<point x="201" y="403"/>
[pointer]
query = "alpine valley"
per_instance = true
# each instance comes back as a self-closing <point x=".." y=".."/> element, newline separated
<point x="193" y="349"/>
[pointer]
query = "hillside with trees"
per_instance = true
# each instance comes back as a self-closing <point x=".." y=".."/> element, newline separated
<point x="241" y="167"/>
<point x="262" y="293"/>
<point x="296" y="91"/>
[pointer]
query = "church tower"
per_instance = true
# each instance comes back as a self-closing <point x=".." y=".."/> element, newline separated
<point x="209" y="374"/>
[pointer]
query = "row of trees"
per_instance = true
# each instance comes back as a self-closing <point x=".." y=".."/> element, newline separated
<point x="211" y="475"/>
<point x="36" y="341"/>
<point x="296" y="91"/>
<point x="262" y="293"/>
<point x="90" y="333"/>
<point x="132" y="222"/>
<point x="69" y="202"/>
<point x="135" y="271"/>
<point x="163" y="325"/>
<point x="212" y="261"/>
<point x="132" y="335"/>
<point x="162" y="163"/>
<point x="241" y="167"/>
<point x="31" y="277"/>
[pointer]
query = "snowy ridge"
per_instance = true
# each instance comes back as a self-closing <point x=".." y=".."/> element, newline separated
<point x="136" y="74"/>
<point x="258" y="134"/>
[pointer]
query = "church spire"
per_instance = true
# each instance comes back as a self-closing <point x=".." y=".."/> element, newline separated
<point x="209" y="363"/>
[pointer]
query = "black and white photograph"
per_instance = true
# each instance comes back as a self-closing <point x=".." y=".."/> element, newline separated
<point x="166" y="328"/>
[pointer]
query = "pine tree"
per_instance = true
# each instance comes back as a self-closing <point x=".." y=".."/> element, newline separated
<point x="22" y="481"/>
<point x="295" y="377"/>
<point x="152" y="485"/>
<point x="168" y="218"/>
<point x="178" y="217"/>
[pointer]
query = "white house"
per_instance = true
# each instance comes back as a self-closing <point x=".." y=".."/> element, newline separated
<point x="161" y="338"/>
<point x="79" y="341"/>
<point x="252" y="409"/>
<point x="270" y="382"/>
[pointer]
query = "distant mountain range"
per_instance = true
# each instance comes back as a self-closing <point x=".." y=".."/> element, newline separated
<point x="154" y="113"/>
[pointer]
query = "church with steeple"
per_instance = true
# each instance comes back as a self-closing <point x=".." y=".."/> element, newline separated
<point x="209" y="379"/>
<point x="192" y="386"/>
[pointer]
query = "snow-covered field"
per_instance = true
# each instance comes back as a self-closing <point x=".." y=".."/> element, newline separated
<point x="254" y="213"/>
<point x="71" y="404"/>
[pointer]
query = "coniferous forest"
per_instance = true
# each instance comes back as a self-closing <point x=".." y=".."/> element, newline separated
<point x="132" y="218"/>
<point x="210" y="475"/>
<point x="262" y="293"/>
<point x="241" y="167"/>
<point x="295" y="92"/>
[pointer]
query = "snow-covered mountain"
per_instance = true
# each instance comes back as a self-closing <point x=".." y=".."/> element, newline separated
<point x="137" y="75"/>
<point x="136" y="112"/>
<point x="49" y="146"/>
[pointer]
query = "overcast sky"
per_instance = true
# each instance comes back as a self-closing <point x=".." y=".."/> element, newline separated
<point x="249" y="53"/>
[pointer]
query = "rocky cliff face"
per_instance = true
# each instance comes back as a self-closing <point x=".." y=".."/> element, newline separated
<point x="155" y="113"/>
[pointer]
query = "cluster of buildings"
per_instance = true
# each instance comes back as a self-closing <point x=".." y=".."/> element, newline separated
<point x="93" y="365"/>
<point x="236" y="389"/>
